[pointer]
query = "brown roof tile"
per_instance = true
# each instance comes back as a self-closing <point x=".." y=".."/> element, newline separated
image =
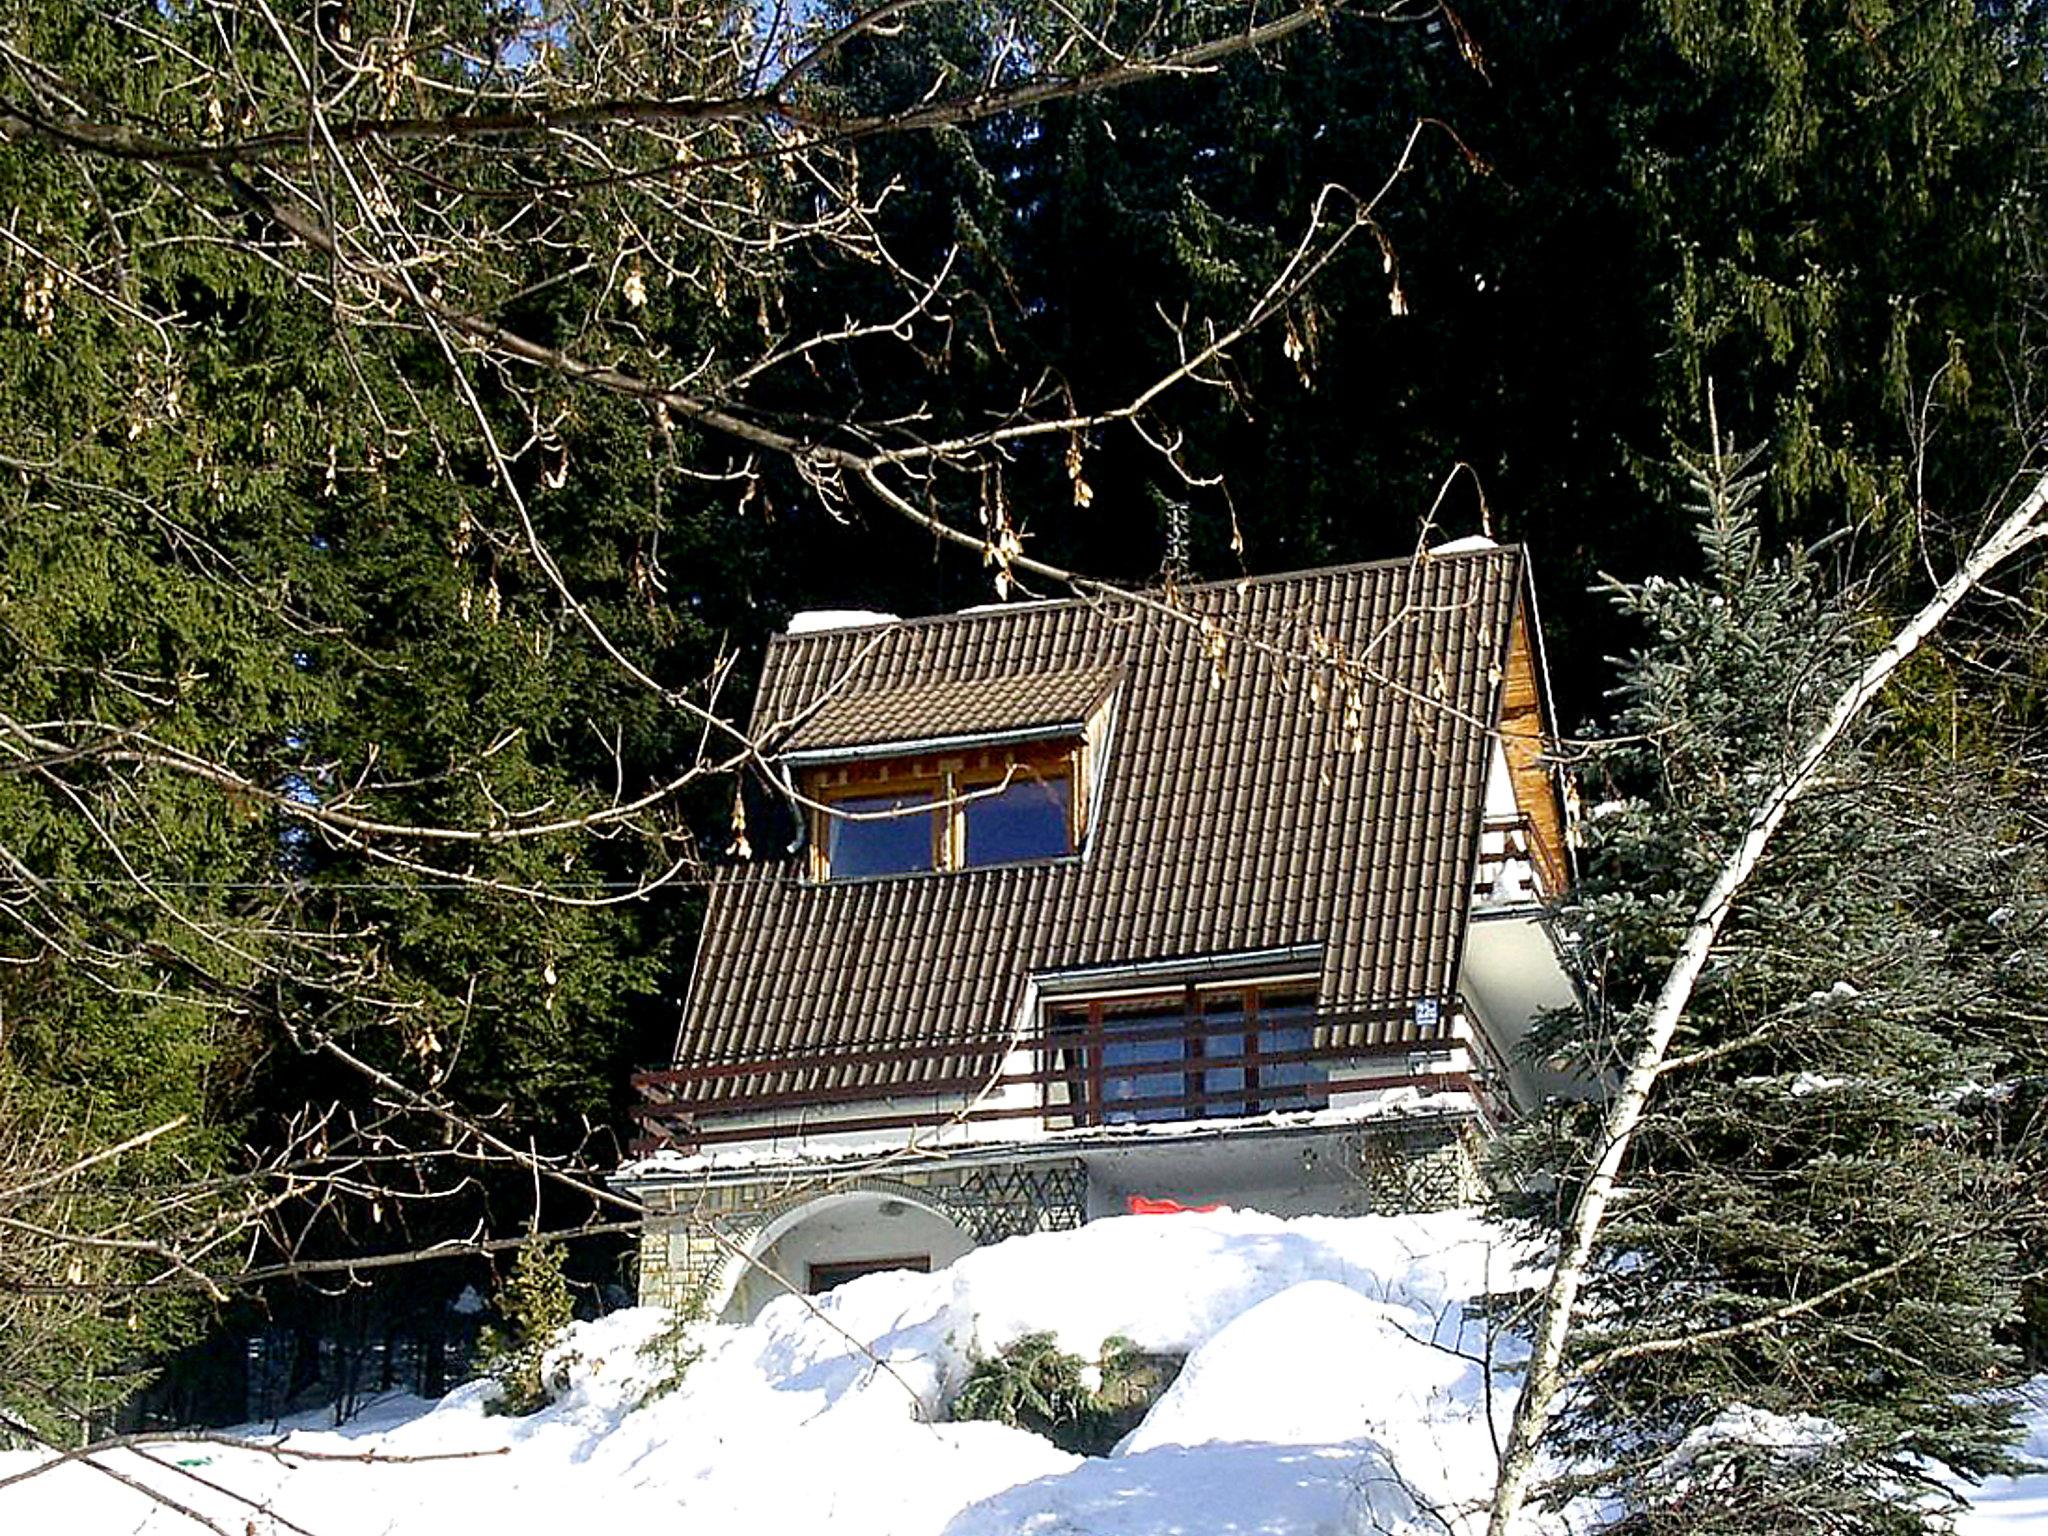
<point x="1322" y="786"/>
<point x="1028" y="700"/>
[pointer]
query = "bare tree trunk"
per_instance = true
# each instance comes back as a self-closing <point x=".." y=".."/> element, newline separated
<point x="1546" y="1377"/>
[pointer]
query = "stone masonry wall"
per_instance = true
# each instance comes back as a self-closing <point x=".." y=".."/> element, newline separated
<point x="695" y="1239"/>
<point x="693" y="1235"/>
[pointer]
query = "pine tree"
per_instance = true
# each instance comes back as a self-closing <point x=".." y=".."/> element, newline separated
<point x="1808" y="1288"/>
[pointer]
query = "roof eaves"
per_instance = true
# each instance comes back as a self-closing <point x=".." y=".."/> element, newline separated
<point x="913" y="746"/>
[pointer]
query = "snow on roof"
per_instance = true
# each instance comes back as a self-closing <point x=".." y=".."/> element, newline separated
<point x="1469" y="544"/>
<point x="816" y="620"/>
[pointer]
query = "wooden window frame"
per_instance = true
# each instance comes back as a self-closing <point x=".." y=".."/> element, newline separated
<point x="950" y="778"/>
<point x="1078" y="1049"/>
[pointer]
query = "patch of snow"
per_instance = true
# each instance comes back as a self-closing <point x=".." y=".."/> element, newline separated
<point x="1757" y="1428"/>
<point x="1807" y="1084"/>
<point x="1471" y="543"/>
<point x="816" y="620"/>
<point x="1375" y="1403"/>
<point x="1840" y="992"/>
<point x="1332" y="1385"/>
<point x="2014" y="1506"/>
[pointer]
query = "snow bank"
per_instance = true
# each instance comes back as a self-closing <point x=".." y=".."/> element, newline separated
<point x="2008" y="1506"/>
<point x="1328" y="1389"/>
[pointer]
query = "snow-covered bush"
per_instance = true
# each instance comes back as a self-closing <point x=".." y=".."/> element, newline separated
<point x="1080" y="1405"/>
<point x="669" y="1353"/>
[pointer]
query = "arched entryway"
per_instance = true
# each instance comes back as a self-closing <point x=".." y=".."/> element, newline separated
<point x="822" y="1241"/>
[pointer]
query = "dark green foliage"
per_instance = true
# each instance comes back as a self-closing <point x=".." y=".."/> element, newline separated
<point x="251" y="547"/>
<point x="1827" y="1210"/>
<point x="672" y="1351"/>
<point x="533" y="1309"/>
<point x="1827" y="213"/>
<point x="1031" y="1383"/>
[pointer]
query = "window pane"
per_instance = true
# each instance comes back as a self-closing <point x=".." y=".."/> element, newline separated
<point x="886" y="845"/>
<point x="1028" y="820"/>
<point x="1223" y="1011"/>
<point x="1287" y="1023"/>
<point x="1124" y="1061"/>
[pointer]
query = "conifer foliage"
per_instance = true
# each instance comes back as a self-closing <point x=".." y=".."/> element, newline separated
<point x="535" y="1306"/>
<point x="1807" y="1287"/>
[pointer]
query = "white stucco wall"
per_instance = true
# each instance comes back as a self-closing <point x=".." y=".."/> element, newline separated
<point x="853" y="1227"/>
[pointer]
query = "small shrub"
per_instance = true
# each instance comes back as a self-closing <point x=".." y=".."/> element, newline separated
<point x="1081" y="1406"/>
<point x="534" y="1307"/>
<point x="673" y="1351"/>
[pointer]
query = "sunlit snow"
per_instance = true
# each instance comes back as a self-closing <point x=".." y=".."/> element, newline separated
<point x="1333" y="1385"/>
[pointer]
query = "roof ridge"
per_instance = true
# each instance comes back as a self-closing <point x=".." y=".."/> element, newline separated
<point x="1219" y="584"/>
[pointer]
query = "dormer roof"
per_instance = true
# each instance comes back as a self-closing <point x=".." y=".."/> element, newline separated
<point x="873" y="712"/>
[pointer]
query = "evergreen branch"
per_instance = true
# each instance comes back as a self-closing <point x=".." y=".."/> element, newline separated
<point x="1685" y="1343"/>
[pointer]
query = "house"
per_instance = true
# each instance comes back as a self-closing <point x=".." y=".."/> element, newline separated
<point x="1233" y="893"/>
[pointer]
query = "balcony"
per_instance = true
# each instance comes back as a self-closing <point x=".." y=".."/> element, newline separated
<point x="1104" y="1063"/>
<point x="1515" y="867"/>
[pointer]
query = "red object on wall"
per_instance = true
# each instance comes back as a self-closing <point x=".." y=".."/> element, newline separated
<point x="1146" y="1205"/>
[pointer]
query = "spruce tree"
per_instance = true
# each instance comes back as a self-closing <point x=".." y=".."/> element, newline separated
<point x="1807" y="1290"/>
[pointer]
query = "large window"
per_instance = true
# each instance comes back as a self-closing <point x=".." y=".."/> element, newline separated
<point x="1190" y="1053"/>
<point x="945" y="812"/>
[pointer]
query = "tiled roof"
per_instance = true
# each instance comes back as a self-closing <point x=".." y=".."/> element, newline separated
<point x="1295" y="760"/>
<point x="880" y="710"/>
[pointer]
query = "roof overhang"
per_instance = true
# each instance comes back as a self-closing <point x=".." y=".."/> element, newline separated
<point x="918" y="746"/>
<point x="1285" y="962"/>
<point x="702" y="1170"/>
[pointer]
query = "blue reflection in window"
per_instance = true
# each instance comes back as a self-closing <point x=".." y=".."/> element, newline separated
<point x="1026" y="820"/>
<point x="1223" y="1011"/>
<point x="1287" y="1026"/>
<point x="884" y="845"/>
<point x="1124" y="1061"/>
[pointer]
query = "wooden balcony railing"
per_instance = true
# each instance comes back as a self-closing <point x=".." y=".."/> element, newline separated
<point x="1216" y="1068"/>
<point x="1515" y="863"/>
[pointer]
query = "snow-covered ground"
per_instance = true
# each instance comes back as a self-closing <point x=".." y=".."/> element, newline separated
<point x="1331" y="1386"/>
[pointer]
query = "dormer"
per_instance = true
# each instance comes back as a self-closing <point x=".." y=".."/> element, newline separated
<point x="941" y="778"/>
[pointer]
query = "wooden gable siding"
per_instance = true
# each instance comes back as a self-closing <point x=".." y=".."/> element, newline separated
<point x="1526" y="745"/>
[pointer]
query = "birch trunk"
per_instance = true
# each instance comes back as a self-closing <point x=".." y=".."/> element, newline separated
<point x="1545" y="1380"/>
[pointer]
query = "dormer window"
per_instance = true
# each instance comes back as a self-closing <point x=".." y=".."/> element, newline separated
<point x="880" y="835"/>
<point x="951" y="776"/>
<point x="946" y="811"/>
<point x="1027" y="817"/>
